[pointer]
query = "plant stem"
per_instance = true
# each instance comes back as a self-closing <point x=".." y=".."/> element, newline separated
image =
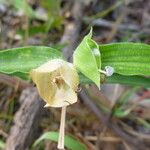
<point x="61" y="138"/>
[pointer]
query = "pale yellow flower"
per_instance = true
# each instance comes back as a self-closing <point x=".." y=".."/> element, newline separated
<point x="57" y="82"/>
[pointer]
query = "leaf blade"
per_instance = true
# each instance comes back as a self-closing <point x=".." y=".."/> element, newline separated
<point x="70" y="142"/>
<point x="127" y="58"/>
<point x="86" y="60"/>
<point x="129" y="80"/>
<point x="2" y="144"/>
<point x="22" y="60"/>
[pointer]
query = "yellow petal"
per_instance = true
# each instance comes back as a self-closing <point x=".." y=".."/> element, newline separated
<point x="47" y="105"/>
<point x="70" y="75"/>
<point x="56" y="82"/>
<point x="64" y="96"/>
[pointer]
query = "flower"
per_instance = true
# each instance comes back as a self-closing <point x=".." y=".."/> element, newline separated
<point x="57" y="82"/>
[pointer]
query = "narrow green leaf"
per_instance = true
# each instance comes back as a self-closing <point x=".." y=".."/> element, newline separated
<point x="23" y="6"/>
<point x="53" y="8"/>
<point x="2" y="144"/>
<point x="70" y="142"/>
<point x="143" y="122"/>
<point x="121" y="113"/>
<point x="119" y="109"/>
<point x="19" y="61"/>
<point x="87" y="59"/>
<point x="33" y="30"/>
<point x="127" y="58"/>
<point x="129" y="80"/>
<point x="125" y="97"/>
<point x="3" y="2"/>
<point x="116" y="78"/>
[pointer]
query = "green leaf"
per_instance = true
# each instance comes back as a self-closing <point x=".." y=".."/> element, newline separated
<point x="119" y="109"/>
<point x="70" y="142"/>
<point x="125" y="97"/>
<point x="53" y="8"/>
<point x="116" y="78"/>
<point x="143" y="122"/>
<point x="121" y="113"/>
<point x="2" y="144"/>
<point x="126" y="58"/>
<point x="129" y="80"/>
<point x="19" y="61"/>
<point x="87" y="59"/>
<point x="33" y="30"/>
<point x="22" y="5"/>
<point x="3" y="2"/>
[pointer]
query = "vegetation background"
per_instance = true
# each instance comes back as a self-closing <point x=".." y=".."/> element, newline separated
<point x="115" y="118"/>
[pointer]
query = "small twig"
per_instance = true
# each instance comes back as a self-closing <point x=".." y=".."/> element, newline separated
<point x="72" y="30"/>
<point x="26" y="121"/>
<point x="104" y="139"/>
<point x="61" y="138"/>
<point x="109" y="24"/>
<point x="13" y="81"/>
<point x="115" y="26"/>
<point x="110" y="123"/>
<point x="3" y="133"/>
<point x="127" y="147"/>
